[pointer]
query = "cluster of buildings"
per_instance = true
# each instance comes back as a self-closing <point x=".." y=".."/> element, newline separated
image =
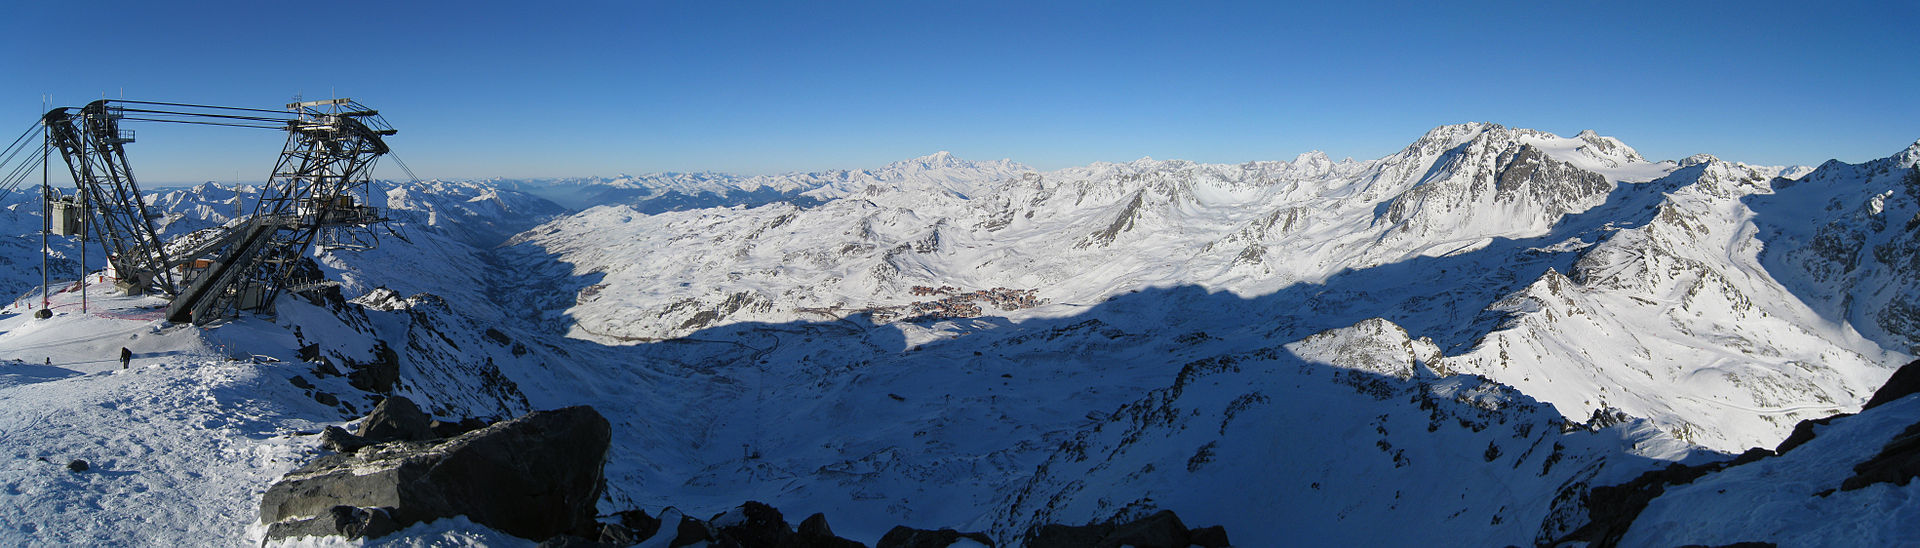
<point x="966" y="305"/>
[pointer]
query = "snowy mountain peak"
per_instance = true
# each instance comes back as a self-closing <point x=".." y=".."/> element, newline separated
<point x="1312" y="158"/>
<point x="944" y="160"/>
<point x="1909" y="157"/>
<point x="1452" y="135"/>
<point x="1609" y="147"/>
<point x="936" y="160"/>
<point x="1698" y="159"/>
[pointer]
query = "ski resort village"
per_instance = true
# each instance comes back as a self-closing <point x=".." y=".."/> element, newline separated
<point x="825" y="316"/>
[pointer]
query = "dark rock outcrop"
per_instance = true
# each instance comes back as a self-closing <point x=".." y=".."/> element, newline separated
<point x="1160" y="530"/>
<point x="814" y="533"/>
<point x="691" y="531"/>
<point x="396" y="419"/>
<point x="1904" y="381"/>
<point x="750" y="525"/>
<point x="1612" y="509"/>
<point x="758" y="525"/>
<point x="907" y="537"/>
<point x="575" y="541"/>
<point x="1069" y="536"/>
<point x="448" y="429"/>
<point x="339" y="440"/>
<point x="753" y="524"/>
<point x="379" y="375"/>
<point x="1209" y="537"/>
<point x="640" y="526"/>
<point x="1157" y="530"/>
<point x="535" y="477"/>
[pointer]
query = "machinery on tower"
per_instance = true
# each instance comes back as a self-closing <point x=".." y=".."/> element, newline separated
<point x="317" y="194"/>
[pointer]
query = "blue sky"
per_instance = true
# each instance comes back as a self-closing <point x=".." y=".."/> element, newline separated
<point x="539" y="89"/>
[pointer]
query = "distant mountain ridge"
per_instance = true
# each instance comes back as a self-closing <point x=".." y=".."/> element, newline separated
<point x="672" y="191"/>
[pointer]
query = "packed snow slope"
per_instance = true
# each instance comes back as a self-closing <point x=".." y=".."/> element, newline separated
<point x="1489" y="322"/>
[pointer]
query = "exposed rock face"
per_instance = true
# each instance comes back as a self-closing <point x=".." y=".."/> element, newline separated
<point x="1903" y="382"/>
<point x="814" y="533"/>
<point x="535" y="477"/>
<point x="379" y="375"/>
<point x="1069" y="536"/>
<point x="1496" y="171"/>
<point x="1899" y="461"/>
<point x="448" y="429"/>
<point x="1612" y="509"/>
<point x="750" y="525"/>
<point x="396" y="419"/>
<point x="908" y="537"/>
<point x="1161" y="529"/>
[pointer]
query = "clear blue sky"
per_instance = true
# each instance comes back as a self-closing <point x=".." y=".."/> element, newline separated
<point x="533" y="89"/>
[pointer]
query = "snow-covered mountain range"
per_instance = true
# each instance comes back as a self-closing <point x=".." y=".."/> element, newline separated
<point x="1466" y="336"/>
<point x="662" y="192"/>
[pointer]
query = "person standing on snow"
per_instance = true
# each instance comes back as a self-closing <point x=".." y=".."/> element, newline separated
<point x="126" y="357"/>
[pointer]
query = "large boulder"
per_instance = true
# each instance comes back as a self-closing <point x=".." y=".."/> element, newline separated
<point x="396" y="418"/>
<point x="534" y="477"/>
<point x="338" y="440"/>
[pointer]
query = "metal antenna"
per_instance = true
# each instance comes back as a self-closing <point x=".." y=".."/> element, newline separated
<point x="46" y="201"/>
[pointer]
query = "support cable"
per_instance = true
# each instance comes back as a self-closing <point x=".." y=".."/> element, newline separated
<point x="131" y="118"/>
<point x="26" y="165"/>
<point x="205" y="115"/>
<point x="403" y="167"/>
<point x="191" y="105"/>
